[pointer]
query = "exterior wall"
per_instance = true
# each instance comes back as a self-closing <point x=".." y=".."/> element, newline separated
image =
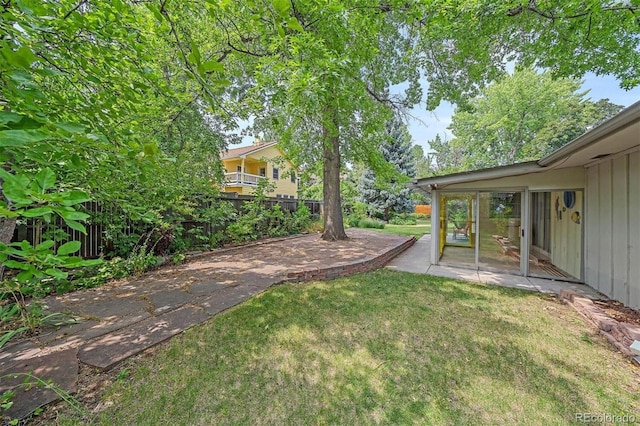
<point x="231" y="165"/>
<point x="566" y="235"/>
<point x="284" y="186"/>
<point x="237" y="189"/>
<point x="253" y="163"/>
<point x="612" y="229"/>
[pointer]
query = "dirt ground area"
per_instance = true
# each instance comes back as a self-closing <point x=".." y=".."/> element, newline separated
<point x="619" y="312"/>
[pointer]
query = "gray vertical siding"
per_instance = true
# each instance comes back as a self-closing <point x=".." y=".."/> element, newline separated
<point x="634" y="230"/>
<point x="612" y="228"/>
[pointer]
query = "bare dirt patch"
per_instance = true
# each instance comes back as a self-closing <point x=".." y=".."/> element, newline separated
<point x="619" y="312"/>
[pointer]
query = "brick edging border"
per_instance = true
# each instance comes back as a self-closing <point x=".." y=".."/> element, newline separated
<point x="619" y="334"/>
<point x="366" y="265"/>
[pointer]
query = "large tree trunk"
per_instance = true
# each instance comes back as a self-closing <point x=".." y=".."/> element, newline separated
<point x="333" y="225"/>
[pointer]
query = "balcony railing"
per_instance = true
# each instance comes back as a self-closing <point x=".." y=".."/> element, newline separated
<point x="239" y="178"/>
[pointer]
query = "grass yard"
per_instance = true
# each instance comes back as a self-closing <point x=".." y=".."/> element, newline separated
<point x="382" y="347"/>
<point x="418" y="230"/>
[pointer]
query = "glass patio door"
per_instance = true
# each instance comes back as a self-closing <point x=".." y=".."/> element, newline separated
<point x="457" y="233"/>
<point x="499" y="231"/>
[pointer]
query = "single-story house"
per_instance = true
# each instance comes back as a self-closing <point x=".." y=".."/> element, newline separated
<point x="573" y="215"/>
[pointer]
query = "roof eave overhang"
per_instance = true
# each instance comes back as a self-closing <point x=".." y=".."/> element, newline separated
<point x="432" y="183"/>
<point x="253" y="151"/>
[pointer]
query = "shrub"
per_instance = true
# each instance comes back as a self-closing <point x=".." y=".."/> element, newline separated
<point x="301" y="218"/>
<point x="353" y="221"/>
<point x="359" y="210"/>
<point x="314" y="227"/>
<point x="402" y="219"/>
<point x="370" y="223"/>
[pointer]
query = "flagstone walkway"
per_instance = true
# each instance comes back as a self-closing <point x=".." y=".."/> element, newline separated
<point x="126" y="317"/>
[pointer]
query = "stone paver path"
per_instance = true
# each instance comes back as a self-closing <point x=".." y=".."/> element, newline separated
<point x="123" y="318"/>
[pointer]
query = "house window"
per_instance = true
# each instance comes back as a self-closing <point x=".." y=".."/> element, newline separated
<point x="263" y="172"/>
<point x="276" y="174"/>
<point x="293" y="177"/>
<point x="278" y="195"/>
<point x="292" y="196"/>
<point x="239" y="169"/>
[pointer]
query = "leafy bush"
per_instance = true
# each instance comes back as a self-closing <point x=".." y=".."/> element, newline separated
<point x="301" y="218"/>
<point x="314" y="227"/>
<point x="360" y="210"/>
<point x="421" y="216"/>
<point x="353" y="221"/>
<point x="403" y="219"/>
<point x="370" y="223"/>
<point x="257" y="221"/>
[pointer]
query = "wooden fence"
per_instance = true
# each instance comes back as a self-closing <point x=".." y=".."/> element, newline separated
<point x="95" y="243"/>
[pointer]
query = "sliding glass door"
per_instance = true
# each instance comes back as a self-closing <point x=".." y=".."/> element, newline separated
<point x="457" y="228"/>
<point x="499" y="231"/>
<point x="537" y="233"/>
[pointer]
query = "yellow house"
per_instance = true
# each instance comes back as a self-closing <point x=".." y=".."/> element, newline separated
<point x="245" y="166"/>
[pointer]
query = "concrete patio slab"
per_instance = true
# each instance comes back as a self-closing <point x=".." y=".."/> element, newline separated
<point x="506" y="280"/>
<point x="452" y="272"/>
<point x="555" y="287"/>
<point x="413" y="259"/>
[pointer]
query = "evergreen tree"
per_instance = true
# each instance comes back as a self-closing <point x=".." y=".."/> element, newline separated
<point x="385" y="194"/>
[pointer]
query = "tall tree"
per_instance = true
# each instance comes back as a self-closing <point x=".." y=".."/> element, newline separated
<point x="322" y="72"/>
<point x="521" y="117"/>
<point x="323" y="69"/>
<point x="422" y="161"/>
<point x="86" y="110"/>
<point x="467" y="44"/>
<point x="386" y="194"/>
<point x="84" y="98"/>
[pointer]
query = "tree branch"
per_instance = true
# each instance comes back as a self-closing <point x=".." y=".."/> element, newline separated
<point x="78" y="6"/>
<point x="384" y="100"/>
<point x="550" y="15"/>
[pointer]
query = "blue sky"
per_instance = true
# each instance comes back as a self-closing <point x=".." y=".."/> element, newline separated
<point x="430" y="123"/>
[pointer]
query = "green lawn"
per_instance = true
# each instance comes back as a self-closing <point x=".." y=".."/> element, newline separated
<point x="418" y="230"/>
<point x="382" y="347"/>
